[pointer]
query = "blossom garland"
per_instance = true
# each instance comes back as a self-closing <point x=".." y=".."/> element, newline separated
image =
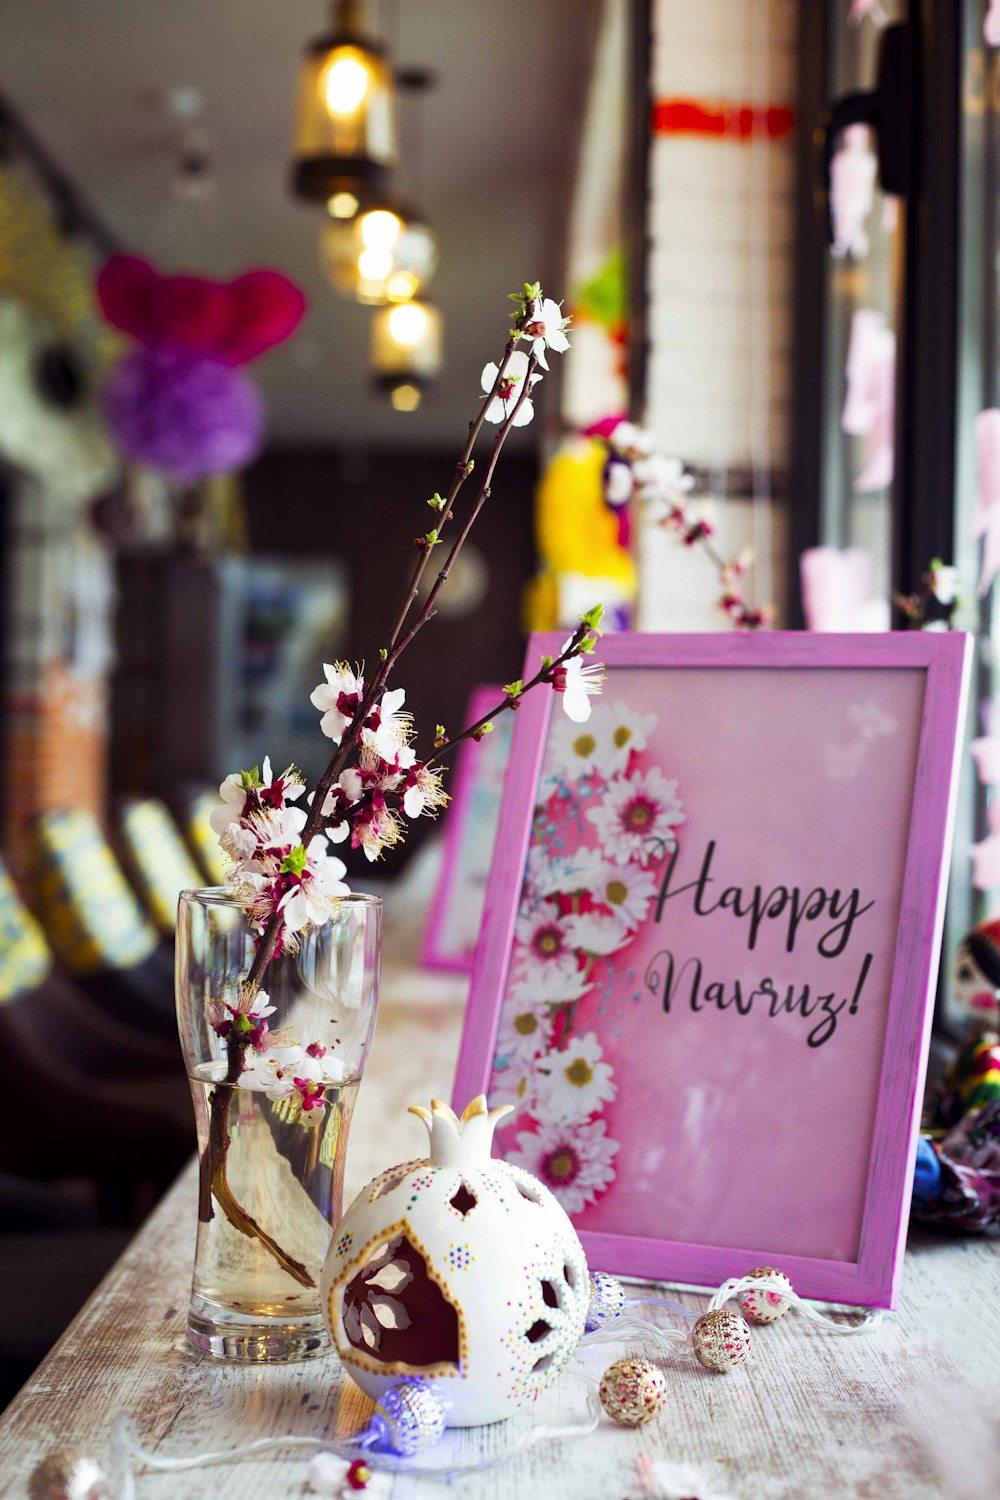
<point x="635" y="471"/>
<point x="603" y="826"/>
<point x="283" y="872"/>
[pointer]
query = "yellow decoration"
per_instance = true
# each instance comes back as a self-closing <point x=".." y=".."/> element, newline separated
<point x="576" y="533"/>
<point x="159" y="859"/>
<point x="575" y="530"/>
<point x="48" y="272"/>
<point x="90" y="916"/>
<point x="24" y="953"/>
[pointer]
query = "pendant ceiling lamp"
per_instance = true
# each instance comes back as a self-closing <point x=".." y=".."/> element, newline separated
<point x="345" y="139"/>
<point x="406" y="351"/>
<point x="379" y="254"/>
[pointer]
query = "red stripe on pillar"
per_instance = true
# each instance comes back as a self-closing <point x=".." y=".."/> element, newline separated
<point x="724" y="121"/>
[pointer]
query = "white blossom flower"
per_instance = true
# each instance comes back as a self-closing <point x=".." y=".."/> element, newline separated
<point x="277" y="827"/>
<point x="424" y="792"/>
<point x="546" y="329"/>
<point x="636" y="817"/>
<point x="393" y="726"/>
<point x="664" y="1479"/>
<point x="238" y="842"/>
<point x="628" y="890"/>
<point x="662" y="484"/>
<point x="575" y="1161"/>
<point x="345" y="1479"/>
<point x="338" y="699"/>
<point x="630" y="441"/>
<point x="625" y="730"/>
<point x="577" y="684"/>
<point x="575" y="1081"/>
<point x="597" y="932"/>
<point x="545" y="876"/>
<point x="311" y="901"/>
<point x="234" y="797"/>
<point x="321" y="1066"/>
<point x="523" y="1034"/>
<point x="505" y="400"/>
<point x="273" y="1072"/>
<point x="545" y="944"/>
<point x="545" y="985"/>
<point x="943" y="582"/>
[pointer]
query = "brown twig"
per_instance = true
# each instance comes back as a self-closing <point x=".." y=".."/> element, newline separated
<point x="512" y="700"/>
<point x="213" y="1180"/>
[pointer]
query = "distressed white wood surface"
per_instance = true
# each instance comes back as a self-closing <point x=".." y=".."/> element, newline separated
<point x="911" y="1412"/>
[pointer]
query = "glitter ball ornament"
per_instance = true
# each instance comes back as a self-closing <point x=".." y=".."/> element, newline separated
<point x="408" y="1418"/>
<point x="766" y="1307"/>
<point x="632" y="1391"/>
<point x="68" y="1475"/>
<point x="607" y="1300"/>
<point x="458" y="1268"/>
<point x="721" y="1340"/>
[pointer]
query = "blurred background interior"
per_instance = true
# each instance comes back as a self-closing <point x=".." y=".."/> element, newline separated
<point x="807" y="321"/>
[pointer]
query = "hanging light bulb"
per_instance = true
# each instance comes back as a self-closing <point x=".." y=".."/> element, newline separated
<point x="345" y="139"/>
<point x="406" y="351"/>
<point x="380" y="255"/>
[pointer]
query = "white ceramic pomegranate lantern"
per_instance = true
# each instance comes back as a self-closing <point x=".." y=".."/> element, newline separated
<point x="458" y="1268"/>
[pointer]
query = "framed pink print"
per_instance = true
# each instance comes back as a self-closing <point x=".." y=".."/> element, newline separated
<point x="710" y="945"/>
<point x="470" y="830"/>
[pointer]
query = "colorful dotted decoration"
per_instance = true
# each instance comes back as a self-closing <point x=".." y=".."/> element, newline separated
<point x="345" y="1242"/>
<point x="460" y="1256"/>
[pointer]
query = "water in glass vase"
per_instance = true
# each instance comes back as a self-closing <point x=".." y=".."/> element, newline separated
<point x="285" y="1170"/>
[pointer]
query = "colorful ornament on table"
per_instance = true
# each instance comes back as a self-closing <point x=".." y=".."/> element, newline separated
<point x="632" y="1391"/>
<point x="179" y="402"/>
<point x="719" y="1338"/>
<point x="957" y="1171"/>
<point x="462" y="1270"/>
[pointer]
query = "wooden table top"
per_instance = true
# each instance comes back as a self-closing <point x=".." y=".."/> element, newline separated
<point x="908" y="1412"/>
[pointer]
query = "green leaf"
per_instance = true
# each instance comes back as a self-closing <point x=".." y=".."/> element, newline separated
<point x="437" y="502"/>
<point x="514" y="689"/>
<point x="592" y="619"/>
<point x="547" y="662"/>
<point x="383" y="654"/>
<point x="294" y="861"/>
<point x="250" y="779"/>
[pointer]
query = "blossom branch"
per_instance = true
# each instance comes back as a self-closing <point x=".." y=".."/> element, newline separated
<point x="512" y="701"/>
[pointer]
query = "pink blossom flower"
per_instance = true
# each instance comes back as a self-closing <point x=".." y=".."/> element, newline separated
<point x="637" y="816"/>
<point x="544" y="943"/>
<point x="574" y="1161"/>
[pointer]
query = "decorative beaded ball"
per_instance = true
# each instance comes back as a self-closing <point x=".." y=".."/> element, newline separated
<point x="766" y="1307"/>
<point x="632" y="1391"/>
<point x="68" y="1474"/>
<point x="408" y="1418"/>
<point x="721" y="1340"/>
<point x="607" y="1300"/>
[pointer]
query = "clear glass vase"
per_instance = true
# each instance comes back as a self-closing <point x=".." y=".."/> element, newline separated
<point x="271" y="1147"/>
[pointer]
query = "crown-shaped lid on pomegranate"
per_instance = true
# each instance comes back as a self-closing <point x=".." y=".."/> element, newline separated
<point x="465" y="1141"/>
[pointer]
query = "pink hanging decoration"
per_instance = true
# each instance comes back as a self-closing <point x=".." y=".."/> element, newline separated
<point x="986" y="753"/>
<point x="986" y="855"/>
<point x="986" y="519"/>
<point x="869" y="405"/>
<point x="852" y="192"/>
<point x="991" y="24"/>
<point x="838" y="590"/>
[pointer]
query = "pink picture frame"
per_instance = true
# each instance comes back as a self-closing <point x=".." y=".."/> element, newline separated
<point x="470" y="826"/>
<point x="761" y="824"/>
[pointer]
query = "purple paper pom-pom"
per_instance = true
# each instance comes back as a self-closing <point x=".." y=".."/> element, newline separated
<point x="186" y="415"/>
